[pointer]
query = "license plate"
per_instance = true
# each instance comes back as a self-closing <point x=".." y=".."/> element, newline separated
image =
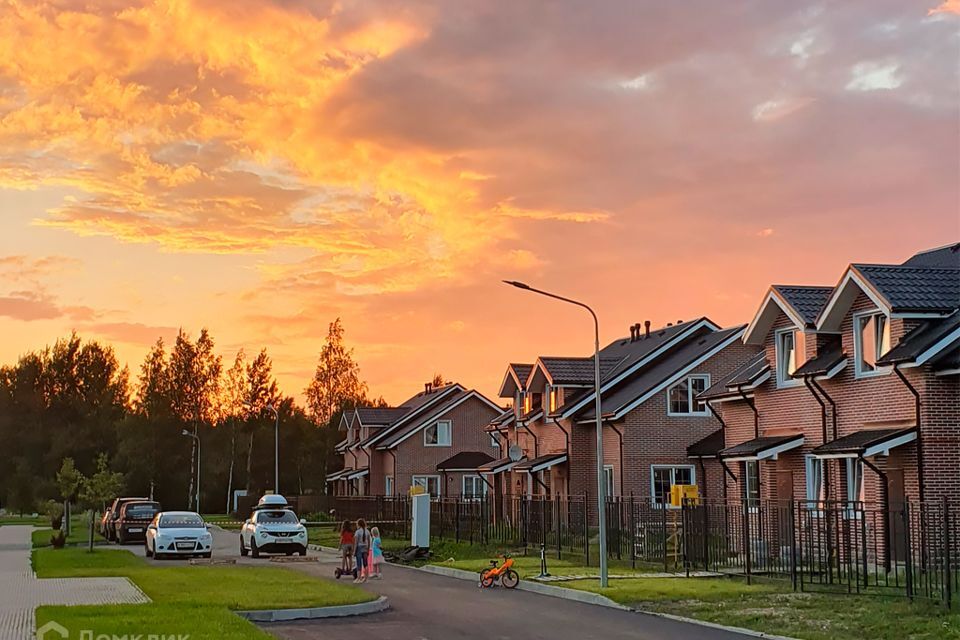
<point x="185" y="545"/>
<point x="137" y="530"/>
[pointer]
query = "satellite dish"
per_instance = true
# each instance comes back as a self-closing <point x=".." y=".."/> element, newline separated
<point x="515" y="453"/>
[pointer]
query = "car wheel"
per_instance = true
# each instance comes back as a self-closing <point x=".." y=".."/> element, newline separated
<point x="254" y="551"/>
<point x="243" y="549"/>
<point x="288" y="553"/>
<point x="302" y="552"/>
<point x="206" y="555"/>
<point x="121" y="540"/>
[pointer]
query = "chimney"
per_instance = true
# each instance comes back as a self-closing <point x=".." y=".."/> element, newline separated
<point x="633" y="332"/>
<point x="669" y="324"/>
<point x="428" y="387"/>
<point x="646" y="326"/>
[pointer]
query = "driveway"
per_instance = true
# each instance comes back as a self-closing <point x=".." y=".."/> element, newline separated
<point x="430" y="607"/>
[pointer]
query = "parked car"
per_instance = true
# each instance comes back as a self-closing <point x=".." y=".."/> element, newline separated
<point x="273" y="527"/>
<point x="134" y="517"/>
<point x="108" y="522"/>
<point x="178" y="533"/>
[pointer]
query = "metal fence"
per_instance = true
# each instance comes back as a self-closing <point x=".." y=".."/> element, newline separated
<point x="909" y="550"/>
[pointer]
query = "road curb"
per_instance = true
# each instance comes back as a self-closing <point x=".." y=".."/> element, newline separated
<point x="595" y="599"/>
<point x="316" y="613"/>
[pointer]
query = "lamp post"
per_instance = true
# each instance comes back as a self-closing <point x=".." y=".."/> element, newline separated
<point x="276" y="449"/>
<point x="197" y="438"/>
<point x="601" y="489"/>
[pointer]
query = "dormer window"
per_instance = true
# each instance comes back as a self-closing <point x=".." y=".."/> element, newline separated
<point x="527" y="404"/>
<point x="790" y="355"/>
<point x="556" y="398"/>
<point x="871" y="339"/>
<point x="682" y="396"/>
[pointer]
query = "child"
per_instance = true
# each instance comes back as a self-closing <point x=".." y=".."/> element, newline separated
<point x="376" y="553"/>
<point x="361" y="543"/>
<point x="346" y="547"/>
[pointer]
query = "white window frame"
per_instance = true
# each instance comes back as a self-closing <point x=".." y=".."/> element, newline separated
<point x="784" y="378"/>
<point x="388" y="485"/>
<point x="692" y="402"/>
<point x="747" y="487"/>
<point x="813" y="472"/>
<point x="858" y="346"/>
<point x="855" y="489"/>
<point x="439" y="442"/>
<point x="494" y="440"/>
<point x="609" y="480"/>
<point x="673" y="480"/>
<point x="473" y="479"/>
<point x="424" y="481"/>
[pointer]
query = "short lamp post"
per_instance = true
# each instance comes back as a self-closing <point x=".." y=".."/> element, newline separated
<point x="601" y="484"/>
<point x="197" y="439"/>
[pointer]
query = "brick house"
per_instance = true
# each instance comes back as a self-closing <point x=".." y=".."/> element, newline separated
<point x="651" y="417"/>
<point x="854" y="395"/>
<point x="434" y="439"/>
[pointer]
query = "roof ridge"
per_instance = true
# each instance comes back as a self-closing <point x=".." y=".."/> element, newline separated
<point x="903" y="267"/>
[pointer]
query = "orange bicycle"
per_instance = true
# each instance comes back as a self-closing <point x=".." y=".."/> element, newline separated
<point x="504" y="574"/>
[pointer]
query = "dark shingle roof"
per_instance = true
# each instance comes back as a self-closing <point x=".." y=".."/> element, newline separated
<point x="757" y="445"/>
<point x="948" y="361"/>
<point x="744" y="375"/>
<point x="807" y="301"/>
<point x="861" y="440"/>
<point x="920" y="339"/>
<point x="465" y="460"/>
<point x="522" y="371"/>
<point x="431" y="413"/>
<point x="914" y="289"/>
<point x="527" y="465"/>
<point x="629" y="353"/>
<point x="948" y="256"/>
<point x="577" y="370"/>
<point x="662" y="368"/>
<point x="823" y="363"/>
<point x="708" y="447"/>
<point x="380" y="416"/>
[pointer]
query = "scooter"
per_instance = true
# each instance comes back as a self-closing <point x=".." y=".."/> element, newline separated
<point x="341" y="572"/>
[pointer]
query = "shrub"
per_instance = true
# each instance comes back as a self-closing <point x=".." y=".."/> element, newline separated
<point x="54" y="511"/>
<point x="58" y="540"/>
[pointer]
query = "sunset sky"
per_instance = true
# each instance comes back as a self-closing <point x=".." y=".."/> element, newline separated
<point x="260" y="167"/>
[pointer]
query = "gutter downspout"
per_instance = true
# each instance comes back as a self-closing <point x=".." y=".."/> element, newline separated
<point x="536" y="442"/>
<point x="885" y="523"/>
<point x="620" y="437"/>
<point x="753" y="407"/>
<point x="917" y="407"/>
<point x="833" y="404"/>
<point x="566" y="434"/>
<point x="810" y="384"/>
<point x="723" y="428"/>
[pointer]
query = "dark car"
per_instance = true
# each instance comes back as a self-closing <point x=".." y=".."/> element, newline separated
<point x="108" y="523"/>
<point x="134" y="519"/>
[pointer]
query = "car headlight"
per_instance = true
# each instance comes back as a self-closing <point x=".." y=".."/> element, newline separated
<point x="263" y="534"/>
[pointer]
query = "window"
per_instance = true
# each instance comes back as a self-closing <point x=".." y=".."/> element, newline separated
<point x="663" y="477"/>
<point x="474" y="488"/>
<point x="789" y="346"/>
<point x="494" y="441"/>
<point x="437" y="434"/>
<point x="855" y="491"/>
<point x="388" y="486"/>
<point x="814" y="473"/>
<point x="527" y="404"/>
<point x="751" y="483"/>
<point x="871" y="339"/>
<point x="682" y="397"/>
<point x="430" y="483"/>
<point x="556" y="397"/>
<point x="609" y="487"/>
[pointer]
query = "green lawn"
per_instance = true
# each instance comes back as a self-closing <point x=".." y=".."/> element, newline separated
<point x="767" y="607"/>
<point x="38" y="521"/>
<point x="79" y="535"/>
<point x="195" y="600"/>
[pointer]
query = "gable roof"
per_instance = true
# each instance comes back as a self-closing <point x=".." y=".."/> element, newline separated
<point x="747" y="376"/>
<point x="514" y="379"/>
<point x="894" y="289"/>
<point x="570" y="371"/>
<point x="417" y="406"/>
<point x="666" y="370"/>
<point x="800" y="303"/>
<point x="380" y="416"/>
<point x="398" y="435"/>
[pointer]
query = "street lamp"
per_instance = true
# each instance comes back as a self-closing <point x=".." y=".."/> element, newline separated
<point x="276" y="444"/>
<point x="197" y="438"/>
<point x="601" y="489"/>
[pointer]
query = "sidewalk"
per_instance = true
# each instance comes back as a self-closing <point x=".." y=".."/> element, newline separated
<point x="21" y="592"/>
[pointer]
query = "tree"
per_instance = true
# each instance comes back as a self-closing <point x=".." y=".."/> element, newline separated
<point x="438" y="381"/>
<point x="102" y="486"/>
<point x="232" y="408"/>
<point x="262" y="392"/>
<point x="336" y="382"/>
<point x="69" y="481"/>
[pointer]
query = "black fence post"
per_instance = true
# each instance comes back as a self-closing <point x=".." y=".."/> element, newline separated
<point x="793" y="546"/>
<point x="586" y="529"/>
<point x="948" y="580"/>
<point x="908" y="551"/>
<point x="746" y="536"/>
<point x="633" y="533"/>
<point x="456" y="524"/>
<point x="666" y="536"/>
<point x="556" y="518"/>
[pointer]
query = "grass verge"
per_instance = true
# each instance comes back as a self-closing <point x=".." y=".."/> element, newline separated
<point x="195" y="600"/>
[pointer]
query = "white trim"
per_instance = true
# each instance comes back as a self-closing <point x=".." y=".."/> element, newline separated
<point x="878" y="370"/>
<point x="413" y="479"/>
<point x="840" y="366"/>
<point x="439" y="442"/>
<point x="884" y="447"/>
<point x="619" y="413"/>
<point x="776" y="297"/>
<point x="358" y="474"/>
<point x="388" y="485"/>
<point x="789" y="381"/>
<point x="673" y="475"/>
<point x="498" y="470"/>
<point x="773" y="453"/>
<point x="948" y="372"/>
<point x="419" y="412"/>
<point x="932" y="315"/>
<point x="435" y="417"/>
<point x="691" y="399"/>
<point x="463" y="487"/>
<point x="545" y="465"/>
<point x="607" y="385"/>
<point x="512" y="374"/>
<point x="839" y="291"/>
<point x="935" y="349"/>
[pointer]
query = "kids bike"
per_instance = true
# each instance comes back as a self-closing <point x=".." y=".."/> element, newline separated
<point x="502" y="574"/>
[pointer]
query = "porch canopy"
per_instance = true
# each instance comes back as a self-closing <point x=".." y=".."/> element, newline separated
<point x="765" y="448"/>
<point x="339" y="475"/>
<point x="465" y="461"/>
<point x="541" y="463"/>
<point x="358" y="473"/>
<point x="866" y="443"/>
<point x="498" y="466"/>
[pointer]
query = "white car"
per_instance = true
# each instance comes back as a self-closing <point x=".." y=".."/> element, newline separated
<point x="273" y="528"/>
<point x="178" y="533"/>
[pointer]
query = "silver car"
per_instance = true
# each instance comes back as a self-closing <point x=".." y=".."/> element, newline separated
<point x="178" y="534"/>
